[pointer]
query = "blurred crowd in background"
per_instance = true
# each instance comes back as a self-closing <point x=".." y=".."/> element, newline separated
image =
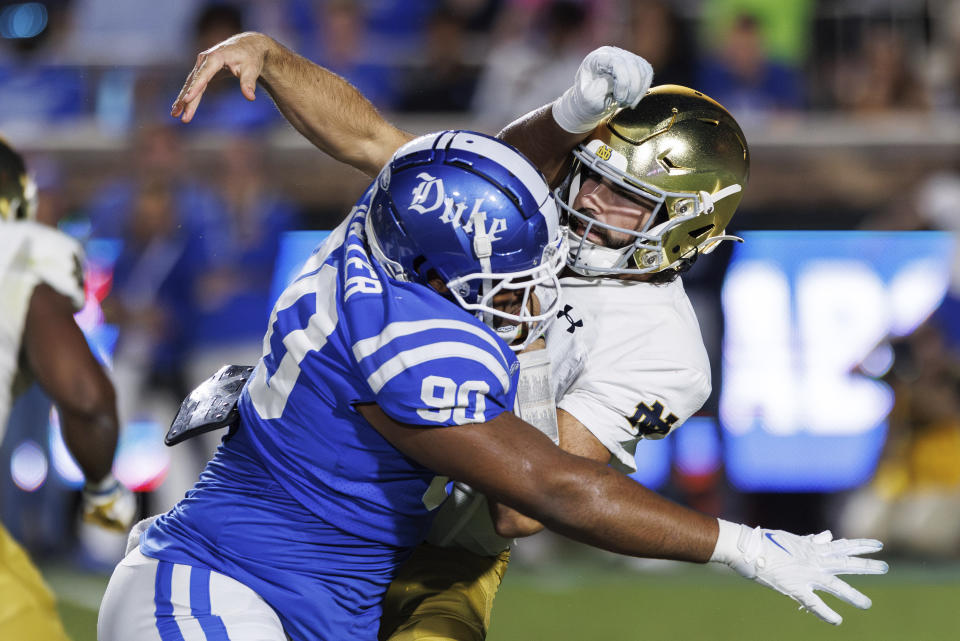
<point x="69" y="60"/>
<point x="849" y="107"/>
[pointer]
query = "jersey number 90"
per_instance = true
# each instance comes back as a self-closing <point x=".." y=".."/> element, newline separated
<point x="449" y="399"/>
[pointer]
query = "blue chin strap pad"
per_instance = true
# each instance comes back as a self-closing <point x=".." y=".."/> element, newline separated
<point x="213" y="405"/>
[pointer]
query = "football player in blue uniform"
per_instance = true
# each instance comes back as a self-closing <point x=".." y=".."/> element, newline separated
<point x="407" y="308"/>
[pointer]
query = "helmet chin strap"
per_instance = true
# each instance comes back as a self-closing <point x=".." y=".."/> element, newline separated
<point x="483" y="249"/>
<point x="590" y="255"/>
<point x="509" y="333"/>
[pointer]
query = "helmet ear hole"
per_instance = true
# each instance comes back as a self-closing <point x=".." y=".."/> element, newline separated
<point x="418" y="263"/>
<point x="433" y="278"/>
<point x="427" y="274"/>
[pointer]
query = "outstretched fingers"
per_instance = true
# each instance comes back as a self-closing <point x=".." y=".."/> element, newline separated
<point x="209" y="64"/>
<point x="814" y="604"/>
<point x="843" y="591"/>
<point x="185" y="106"/>
<point x="177" y="108"/>
<point x="854" y="565"/>
<point x="855" y="546"/>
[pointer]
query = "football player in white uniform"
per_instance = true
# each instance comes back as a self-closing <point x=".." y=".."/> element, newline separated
<point x="649" y="190"/>
<point x="41" y="286"/>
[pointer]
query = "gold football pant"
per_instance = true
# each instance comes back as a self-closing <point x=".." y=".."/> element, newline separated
<point x="442" y="594"/>
<point x="28" y="611"/>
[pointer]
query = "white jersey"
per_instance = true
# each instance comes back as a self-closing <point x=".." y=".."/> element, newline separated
<point x="627" y="361"/>
<point x="30" y="254"/>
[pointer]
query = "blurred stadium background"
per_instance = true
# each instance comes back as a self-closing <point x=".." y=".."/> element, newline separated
<point x="834" y="330"/>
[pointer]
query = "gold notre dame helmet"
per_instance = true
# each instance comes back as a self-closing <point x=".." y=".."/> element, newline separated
<point x="18" y="193"/>
<point x="680" y="152"/>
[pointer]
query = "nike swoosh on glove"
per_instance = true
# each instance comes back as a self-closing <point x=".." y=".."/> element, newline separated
<point x="608" y="78"/>
<point x="109" y="504"/>
<point x="798" y="565"/>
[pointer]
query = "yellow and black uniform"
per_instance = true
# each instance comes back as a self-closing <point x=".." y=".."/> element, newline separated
<point x="442" y="594"/>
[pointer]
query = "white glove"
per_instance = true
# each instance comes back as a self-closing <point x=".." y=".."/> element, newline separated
<point x="109" y="504"/>
<point x="608" y="78"/>
<point x="797" y="565"/>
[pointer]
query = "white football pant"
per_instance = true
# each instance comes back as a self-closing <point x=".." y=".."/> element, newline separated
<point x="151" y="600"/>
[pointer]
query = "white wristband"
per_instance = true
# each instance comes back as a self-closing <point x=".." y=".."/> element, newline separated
<point x="727" y="549"/>
<point x="575" y="118"/>
<point x="104" y="486"/>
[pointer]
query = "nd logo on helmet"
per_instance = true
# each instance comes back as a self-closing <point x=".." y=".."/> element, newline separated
<point x="604" y="152"/>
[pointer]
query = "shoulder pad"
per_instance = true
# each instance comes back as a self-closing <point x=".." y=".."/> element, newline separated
<point x="57" y="260"/>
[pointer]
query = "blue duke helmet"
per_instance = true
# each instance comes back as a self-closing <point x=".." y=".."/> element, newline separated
<point x="475" y="213"/>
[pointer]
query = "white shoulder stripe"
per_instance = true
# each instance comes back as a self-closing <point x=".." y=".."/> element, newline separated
<point x="496" y="151"/>
<point x="435" y="351"/>
<point x="422" y="143"/>
<point x="369" y="346"/>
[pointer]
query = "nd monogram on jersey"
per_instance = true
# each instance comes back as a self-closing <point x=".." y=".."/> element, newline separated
<point x="634" y="365"/>
<point x="306" y="503"/>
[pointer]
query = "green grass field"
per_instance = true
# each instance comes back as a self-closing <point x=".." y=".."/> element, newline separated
<point x="610" y="602"/>
<point x="911" y="603"/>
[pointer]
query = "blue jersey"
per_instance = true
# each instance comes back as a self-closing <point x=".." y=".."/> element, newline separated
<point x="306" y="503"/>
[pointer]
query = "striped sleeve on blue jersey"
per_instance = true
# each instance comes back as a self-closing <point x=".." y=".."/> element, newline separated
<point x="438" y="371"/>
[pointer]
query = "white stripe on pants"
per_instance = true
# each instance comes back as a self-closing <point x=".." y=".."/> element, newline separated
<point x="151" y="600"/>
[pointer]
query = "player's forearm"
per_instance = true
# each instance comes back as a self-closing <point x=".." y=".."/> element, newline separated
<point x="578" y="497"/>
<point x="576" y="439"/>
<point x="538" y="136"/>
<point x="59" y="357"/>
<point x="92" y="440"/>
<point x="516" y="464"/>
<point x="599" y="506"/>
<point x="328" y="110"/>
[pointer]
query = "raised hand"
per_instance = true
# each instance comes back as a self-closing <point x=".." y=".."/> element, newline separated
<point x="243" y="55"/>
<point x="608" y="78"/>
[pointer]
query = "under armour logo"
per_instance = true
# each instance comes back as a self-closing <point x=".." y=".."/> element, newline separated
<point x="650" y="421"/>
<point x="574" y="324"/>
